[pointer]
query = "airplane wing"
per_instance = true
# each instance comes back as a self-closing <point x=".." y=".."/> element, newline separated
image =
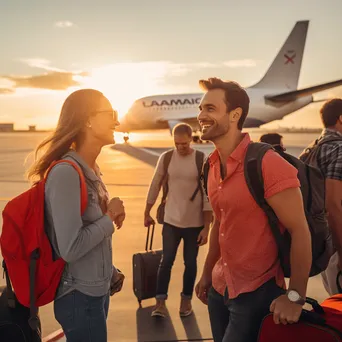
<point x="295" y="94"/>
<point x="172" y="124"/>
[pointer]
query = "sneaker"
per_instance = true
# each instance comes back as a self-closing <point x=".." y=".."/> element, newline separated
<point x="185" y="307"/>
<point x="159" y="310"/>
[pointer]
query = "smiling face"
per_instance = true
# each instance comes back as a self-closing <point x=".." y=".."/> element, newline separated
<point x="102" y="123"/>
<point x="214" y="118"/>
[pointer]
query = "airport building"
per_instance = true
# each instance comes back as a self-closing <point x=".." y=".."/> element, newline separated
<point x="6" y="127"/>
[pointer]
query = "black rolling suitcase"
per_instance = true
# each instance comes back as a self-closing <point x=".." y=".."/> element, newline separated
<point x="145" y="270"/>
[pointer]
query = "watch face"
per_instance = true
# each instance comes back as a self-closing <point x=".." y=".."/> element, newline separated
<point x="293" y="296"/>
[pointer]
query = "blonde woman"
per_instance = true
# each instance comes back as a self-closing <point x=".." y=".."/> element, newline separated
<point x="86" y="124"/>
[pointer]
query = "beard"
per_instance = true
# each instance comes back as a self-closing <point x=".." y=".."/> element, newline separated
<point x="214" y="132"/>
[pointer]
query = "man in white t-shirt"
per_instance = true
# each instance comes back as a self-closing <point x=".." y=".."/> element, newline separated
<point x="188" y="215"/>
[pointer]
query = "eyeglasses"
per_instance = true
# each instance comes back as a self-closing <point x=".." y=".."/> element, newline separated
<point x="113" y="112"/>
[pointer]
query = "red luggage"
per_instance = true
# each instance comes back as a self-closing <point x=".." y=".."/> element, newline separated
<point x="323" y="324"/>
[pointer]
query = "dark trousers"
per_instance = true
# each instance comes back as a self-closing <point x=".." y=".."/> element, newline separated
<point x="218" y="314"/>
<point x="172" y="236"/>
<point x="244" y="313"/>
<point x="83" y="318"/>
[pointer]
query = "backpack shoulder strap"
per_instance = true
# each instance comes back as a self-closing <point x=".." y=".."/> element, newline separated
<point x="311" y="151"/>
<point x="167" y="160"/>
<point x="166" y="163"/>
<point x="255" y="182"/>
<point x="199" y="164"/>
<point x="253" y="170"/>
<point x="199" y="161"/>
<point x="83" y="184"/>
<point x="205" y="174"/>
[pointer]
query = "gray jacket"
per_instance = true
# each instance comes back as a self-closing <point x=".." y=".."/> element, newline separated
<point x="84" y="242"/>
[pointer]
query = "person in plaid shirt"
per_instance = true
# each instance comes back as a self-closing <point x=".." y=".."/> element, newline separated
<point x="326" y="154"/>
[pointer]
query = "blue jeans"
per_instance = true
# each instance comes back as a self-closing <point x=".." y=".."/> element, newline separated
<point x="247" y="311"/>
<point x="172" y="237"/>
<point x="83" y="318"/>
<point x="218" y="314"/>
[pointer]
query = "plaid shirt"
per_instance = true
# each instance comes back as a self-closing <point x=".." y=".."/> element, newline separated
<point x="329" y="157"/>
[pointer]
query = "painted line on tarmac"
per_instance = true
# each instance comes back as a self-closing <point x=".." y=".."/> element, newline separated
<point x="6" y="199"/>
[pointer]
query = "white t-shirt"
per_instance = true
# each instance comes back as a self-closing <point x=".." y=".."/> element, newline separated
<point x="182" y="182"/>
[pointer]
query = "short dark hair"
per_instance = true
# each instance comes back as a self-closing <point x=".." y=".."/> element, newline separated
<point x="182" y="128"/>
<point x="271" y="138"/>
<point x="236" y="96"/>
<point x="330" y="112"/>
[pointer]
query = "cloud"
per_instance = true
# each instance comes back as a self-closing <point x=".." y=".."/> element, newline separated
<point x="152" y="75"/>
<point x="40" y="63"/>
<point x="64" y="24"/>
<point x="50" y="81"/>
<point x="240" y="63"/>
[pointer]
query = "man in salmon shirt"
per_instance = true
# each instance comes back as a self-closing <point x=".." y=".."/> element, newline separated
<point x="242" y="247"/>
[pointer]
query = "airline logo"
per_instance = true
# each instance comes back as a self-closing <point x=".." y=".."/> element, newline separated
<point x="290" y="55"/>
<point x="173" y="102"/>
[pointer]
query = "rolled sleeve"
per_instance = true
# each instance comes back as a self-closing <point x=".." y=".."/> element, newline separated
<point x="278" y="174"/>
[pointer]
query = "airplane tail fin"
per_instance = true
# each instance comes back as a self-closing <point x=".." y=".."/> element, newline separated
<point x="285" y="69"/>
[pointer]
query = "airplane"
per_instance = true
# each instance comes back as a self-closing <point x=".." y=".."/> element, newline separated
<point x="273" y="97"/>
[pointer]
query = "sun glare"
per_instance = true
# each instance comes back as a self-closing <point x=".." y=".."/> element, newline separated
<point x="123" y="83"/>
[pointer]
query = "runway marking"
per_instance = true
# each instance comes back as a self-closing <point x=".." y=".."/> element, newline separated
<point x="6" y="199"/>
<point x="151" y="152"/>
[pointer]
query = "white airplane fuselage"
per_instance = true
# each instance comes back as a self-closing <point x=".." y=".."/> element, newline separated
<point x="273" y="97"/>
<point x="148" y="113"/>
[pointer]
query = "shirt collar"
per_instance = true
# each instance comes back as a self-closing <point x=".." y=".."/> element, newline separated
<point x="238" y="153"/>
<point x="330" y="132"/>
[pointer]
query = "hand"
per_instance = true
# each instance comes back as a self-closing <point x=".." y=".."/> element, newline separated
<point x="148" y="221"/>
<point x="203" y="237"/>
<point x="116" y="211"/>
<point x="116" y="282"/>
<point x="285" y="311"/>
<point x="202" y="289"/>
<point x="119" y="220"/>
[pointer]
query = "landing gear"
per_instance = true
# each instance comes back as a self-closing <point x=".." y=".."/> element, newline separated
<point x="196" y="139"/>
<point x="126" y="137"/>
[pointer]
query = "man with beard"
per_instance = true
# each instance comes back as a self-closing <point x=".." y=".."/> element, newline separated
<point x="242" y="247"/>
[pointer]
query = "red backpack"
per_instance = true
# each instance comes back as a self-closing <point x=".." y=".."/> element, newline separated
<point x="26" y="249"/>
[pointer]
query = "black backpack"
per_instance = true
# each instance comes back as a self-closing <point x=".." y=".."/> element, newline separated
<point x="309" y="155"/>
<point x="14" y="318"/>
<point x="313" y="190"/>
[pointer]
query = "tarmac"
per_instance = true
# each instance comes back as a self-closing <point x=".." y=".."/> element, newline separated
<point x="127" y="170"/>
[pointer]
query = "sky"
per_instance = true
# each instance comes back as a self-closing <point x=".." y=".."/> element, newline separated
<point x="130" y="49"/>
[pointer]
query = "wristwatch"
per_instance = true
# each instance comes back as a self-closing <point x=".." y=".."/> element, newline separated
<point x="295" y="297"/>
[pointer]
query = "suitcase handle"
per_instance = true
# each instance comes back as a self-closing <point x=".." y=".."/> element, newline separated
<point x="147" y="237"/>
<point x="316" y="307"/>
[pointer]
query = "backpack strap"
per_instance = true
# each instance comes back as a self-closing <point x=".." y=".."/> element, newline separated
<point x="255" y="183"/>
<point x="166" y="163"/>
<point x="205" y="175"/>
<point x="199" y="163"/>
<point x="83" y="184"/>
<point x="34" y="320"/>
<point x="315" y="146"/>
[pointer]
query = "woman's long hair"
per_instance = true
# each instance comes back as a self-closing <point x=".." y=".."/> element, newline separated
<point x="72" y="121"/>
